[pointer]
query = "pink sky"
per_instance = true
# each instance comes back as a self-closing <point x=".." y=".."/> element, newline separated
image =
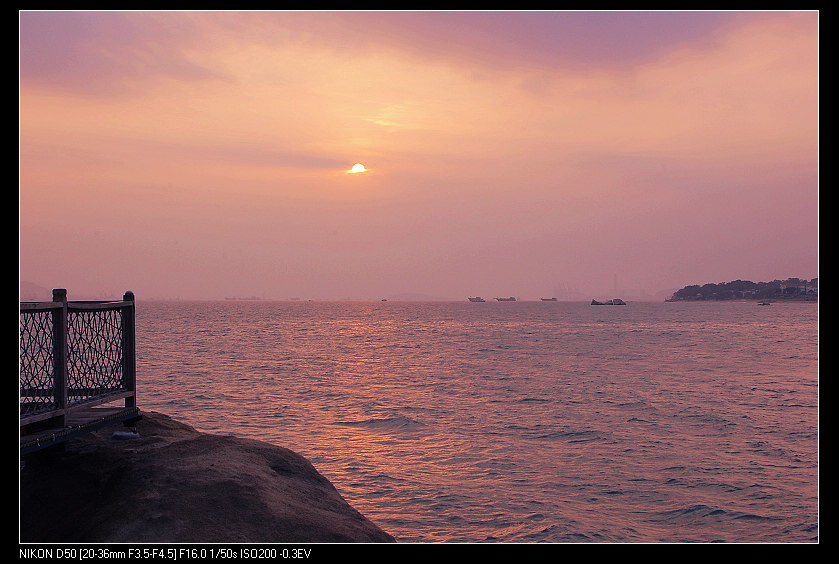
<point x="205" y="154"/>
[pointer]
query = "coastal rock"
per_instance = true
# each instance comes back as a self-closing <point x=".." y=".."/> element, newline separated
<point x="172" y="483"/>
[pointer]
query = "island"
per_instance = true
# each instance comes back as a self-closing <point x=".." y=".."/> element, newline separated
<point x="790" y="289"/>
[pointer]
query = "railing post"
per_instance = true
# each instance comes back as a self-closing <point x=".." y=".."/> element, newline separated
<point x="129" y="368"/>
<point x="59" y="347"/>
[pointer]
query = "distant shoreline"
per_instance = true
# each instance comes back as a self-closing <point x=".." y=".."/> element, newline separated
<point x="777" y="299"/>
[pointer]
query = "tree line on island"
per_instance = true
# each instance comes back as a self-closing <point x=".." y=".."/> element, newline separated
<point x="791" y="288"/>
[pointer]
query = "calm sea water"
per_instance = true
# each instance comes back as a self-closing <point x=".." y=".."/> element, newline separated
<point x="515" y="422"/>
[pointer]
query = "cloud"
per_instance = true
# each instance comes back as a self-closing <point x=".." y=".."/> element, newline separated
<point x="106" y="53"/>
<point x="551" y="39"/>
<point x="110" y="52"/>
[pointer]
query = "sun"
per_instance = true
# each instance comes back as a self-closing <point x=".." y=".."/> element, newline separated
<point x="358" y="167"/>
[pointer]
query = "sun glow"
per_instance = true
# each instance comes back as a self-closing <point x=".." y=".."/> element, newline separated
<point x="358" y="167"/>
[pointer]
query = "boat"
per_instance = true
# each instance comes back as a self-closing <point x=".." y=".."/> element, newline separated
<point x="613" y="301"/>
<point x="477" y="299"/>
<point x="510" y="299"/>
<point x="548" y="299"/>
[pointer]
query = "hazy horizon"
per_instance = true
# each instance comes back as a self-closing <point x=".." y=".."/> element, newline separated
<point x="204" y="155"/>
<point x="34" y="292"/>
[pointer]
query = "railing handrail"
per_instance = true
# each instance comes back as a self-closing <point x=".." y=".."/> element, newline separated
<point x="98" y="306"/>
<point x="26" y="306"/>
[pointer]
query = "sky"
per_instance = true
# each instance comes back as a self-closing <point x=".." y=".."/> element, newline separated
<point x="203" y="155"/>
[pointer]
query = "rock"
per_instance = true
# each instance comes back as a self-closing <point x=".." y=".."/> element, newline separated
<point x="175" y="484"/>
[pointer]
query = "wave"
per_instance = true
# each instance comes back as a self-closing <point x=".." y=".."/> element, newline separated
<point x="392" y="423"/>
<point x="571" y="436"/>
<point x="702" y="512"/>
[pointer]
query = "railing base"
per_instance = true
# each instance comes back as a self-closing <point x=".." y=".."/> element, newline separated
<point x="81" y="421"/>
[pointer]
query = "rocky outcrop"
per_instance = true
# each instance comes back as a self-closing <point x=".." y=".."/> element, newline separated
<point x="171" y="483"/>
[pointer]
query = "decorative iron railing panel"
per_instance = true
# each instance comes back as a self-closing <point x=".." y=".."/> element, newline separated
<point x="37" y="374"/>
<point x="95" y="354"/>
<point x="75" y="354"/>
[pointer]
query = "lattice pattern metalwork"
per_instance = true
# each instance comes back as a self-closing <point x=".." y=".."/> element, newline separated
<point x="37" y="370"/>
<point x="95" y="358"/>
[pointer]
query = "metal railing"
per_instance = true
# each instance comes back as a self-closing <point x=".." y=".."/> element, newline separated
<point x="75" y="355"/>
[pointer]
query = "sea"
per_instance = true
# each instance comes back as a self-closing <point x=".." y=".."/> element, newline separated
<point x="515" y="422"/>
